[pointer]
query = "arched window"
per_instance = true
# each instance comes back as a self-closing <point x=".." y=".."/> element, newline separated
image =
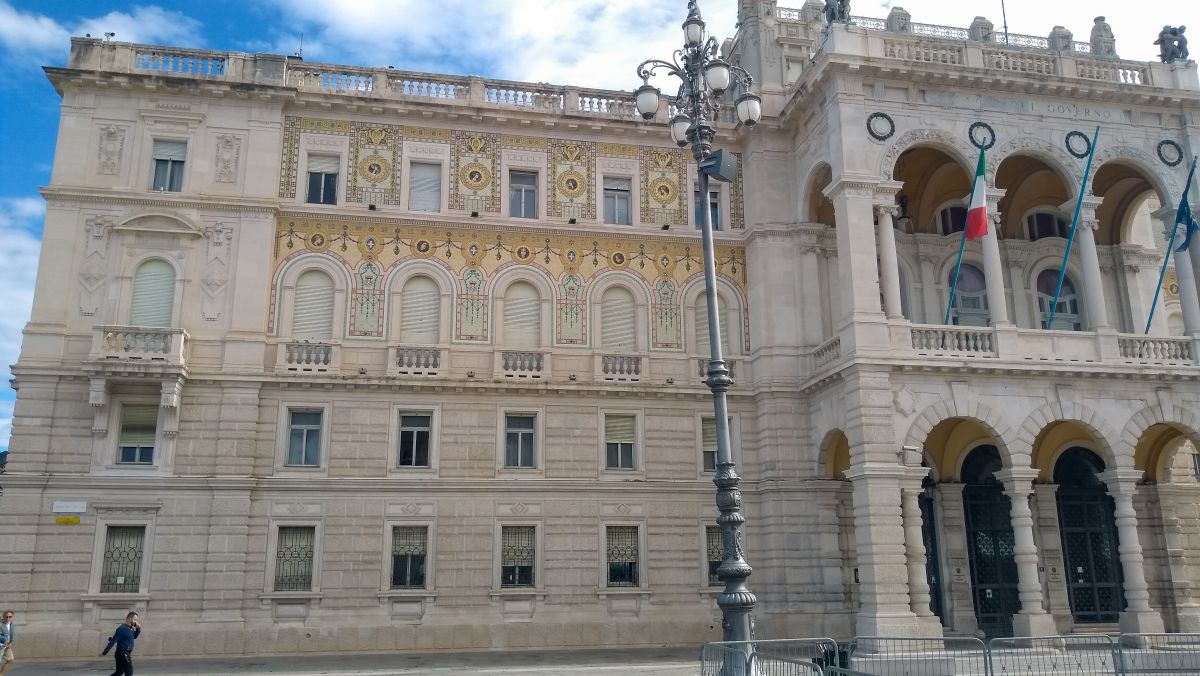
<point x="702" y="343"/>
<point x="420" y="312"/>
<point x="970" y="300"/>
<point x="522" y="317"/>
<point x="618" y="320"/>
<point x="1042" y="224"/>
<point x="312" y="310"/>
<point x="153" y="302"/>
<point x="952" y="219"/>
<point x="1066" y="316"/>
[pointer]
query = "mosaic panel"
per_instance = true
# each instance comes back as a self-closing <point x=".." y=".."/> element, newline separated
<point x="291" y="152"/>
<point x="475" y="254"/>
<point x="572" y="180"/>
<point x="737" y="215"/>
<point x="475" y="172"/>
<point x="663" y="199"/>
<point x="374" y="159"/>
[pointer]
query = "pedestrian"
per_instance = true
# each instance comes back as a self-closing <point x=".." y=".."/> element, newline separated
<point x="6" y="640"/>
<point x="123" y="638"/>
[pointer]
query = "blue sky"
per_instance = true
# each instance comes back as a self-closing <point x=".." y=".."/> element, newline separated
<point x="594" y="43"/>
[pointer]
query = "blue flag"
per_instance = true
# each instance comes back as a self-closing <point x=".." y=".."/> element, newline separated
<point x="1184" y="217"/>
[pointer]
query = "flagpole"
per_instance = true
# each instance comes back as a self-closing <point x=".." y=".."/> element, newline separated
<point x="1170" y="250"/>
<point x="962" y="244"/>
<point x="1062" y="271"/>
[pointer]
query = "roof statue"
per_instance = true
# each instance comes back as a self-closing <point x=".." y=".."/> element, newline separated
<point x="1172" y="44"/>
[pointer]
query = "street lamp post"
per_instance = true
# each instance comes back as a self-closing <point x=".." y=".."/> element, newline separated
<point x="704" y="77"/>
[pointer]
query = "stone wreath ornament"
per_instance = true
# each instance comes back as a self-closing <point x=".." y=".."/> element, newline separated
<point x="1074" y="138"/>
<point x="1169" y="153"/>
<point x="989" y="138"/>
<point x="880" y="126"/>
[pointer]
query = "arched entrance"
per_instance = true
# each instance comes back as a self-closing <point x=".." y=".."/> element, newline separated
<point x="989" y="543"/>
<point x="1089" y="536"/>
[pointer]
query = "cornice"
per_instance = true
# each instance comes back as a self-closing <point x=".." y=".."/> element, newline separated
<point x="68" y="196"/>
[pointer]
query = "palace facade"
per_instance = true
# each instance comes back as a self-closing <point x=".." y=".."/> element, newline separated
<point x="329" y="358"/>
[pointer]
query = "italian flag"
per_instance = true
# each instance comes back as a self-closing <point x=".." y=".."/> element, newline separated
<point x="977" y="225"/>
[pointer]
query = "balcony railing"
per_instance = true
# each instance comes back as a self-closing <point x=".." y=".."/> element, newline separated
<point x="619" y="368"/>
<point x="129" y="344"/>
<point x="309" y="357"/>
<point x="953" y="340"/>
<point x="522" y="365"/>
<point x="1145" y="350"/>
<point x="416" y="361"/>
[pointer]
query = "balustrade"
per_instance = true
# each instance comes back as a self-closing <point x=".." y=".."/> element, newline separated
<point x="953" y="340"/>
<point x="179" y="62"/>
<point x="306" y="357"/>
<point x="1020" y="62"/>
<point x="923" y="52"/>
<point x="620" y="368"/>
<point x="139" y="344"/>
<point x="702" y="367"/>
<point x="522" y="364"/>
<point x="337" y="80"/>
<point x="406" y="85"/>
<point x="415" y="361"/>
<point x="1147" y="350"/>
<point x="827" y="352"/>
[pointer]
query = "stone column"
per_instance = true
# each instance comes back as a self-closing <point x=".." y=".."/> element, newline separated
<point x="857" y="278"/>
<point x="811" y="325"/>
<point x="1189" y="295"/>
<point x="1049" y="539"/>
<point x="1135" y="261"/>
<point x="1032" y="620"/>
<point x="889" y="266"/>
<point x="993" y="269"/>
<point x="914" y="548"/>
<point x="1018" y="261"/>
<point x="1138" y="616"/>
<point x="884" y="608"/>
<point x="1093" y="284"/>
<point x="959" y="606"/>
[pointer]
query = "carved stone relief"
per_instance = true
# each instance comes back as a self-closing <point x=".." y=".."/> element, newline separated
<point x="111" y="148"/>
<point x="93" y="272"/>
<point x="229" y="150"/>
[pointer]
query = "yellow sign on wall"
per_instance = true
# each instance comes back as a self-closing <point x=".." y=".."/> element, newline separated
<point x="66" y="520"/>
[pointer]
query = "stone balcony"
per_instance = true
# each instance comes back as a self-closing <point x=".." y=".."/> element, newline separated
<point x="138" y="349"/>
<point x="308" y="358"/>
<point x="1012" y="344"/>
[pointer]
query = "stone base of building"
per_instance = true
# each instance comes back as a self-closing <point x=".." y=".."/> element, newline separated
<point x="1040" y="624"/>
<point x="1143" y="622"/>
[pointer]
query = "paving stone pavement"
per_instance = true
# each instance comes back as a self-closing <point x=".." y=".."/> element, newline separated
<point x="635" y="662"/>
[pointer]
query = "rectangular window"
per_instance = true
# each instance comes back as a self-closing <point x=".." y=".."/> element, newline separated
<point x="322" y="179"/>
<point x="522" y="194"/>
<point x="168" y="166"/>
<point x="622" y="555"/>
<point x="409" y="548"/>
<point x="518" y="550"/>
<point x="620" y="438"/>
<point x="714" y="208"/>
<point x="708" y="443"/>
<point x="139" y="425"/>
<point x="518" y="441"/>
<point x="712" y="545"/>
<point x="294" y="558"/>
<point x="616" y="200"/>
<point x="122" y="572"/>
<point x="414" y="439"/>
<point x="424" y="187"/>
<point x="304" y="438"/>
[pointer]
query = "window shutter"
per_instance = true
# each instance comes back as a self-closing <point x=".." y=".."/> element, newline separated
<point x="326" y="164"/>
<point x="139" y="422"/>
<point x="708" y="434"/>
<point x="611" y="183"/>
<point x="618" y="320"/>
<point x="312" y="312"/>
<point x="420" y="312"/>
<point x="170" y="150"/>
<point x="153" y="294"/>
<point x="522" y="317"/>
<point x="620" y="429"/>
<point x="425" y="187"/>
<point x="702" y="344"/>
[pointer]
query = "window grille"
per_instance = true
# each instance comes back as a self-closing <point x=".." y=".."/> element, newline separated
<point x="123" y="551"/>
<point x="518" y="551"/>
<point x="518" y="440"/>
<point x="616" y="200"/>
<point x="408" y="556"/>
<point x="304" y="440"/>
<point x="294" y="558"/>
<point x="414" y="439"/>
<point x="322" y="179"/>
<point x="622" y="548"/>
<point x="620" y="438"/>
<point x="169" y="157"/>
<point x="522" y="194"/>
<point x="712" y="542"/>
<point x="139" y="426"/>
<point x="424" y="187"/>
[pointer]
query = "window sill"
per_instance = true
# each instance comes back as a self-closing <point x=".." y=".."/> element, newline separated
<point x="623" y="591"/>
<point x="115" y="598"/>
<point x="291" y="596"/>
<point x="518" y="593"/>
<point x="414" y="472"/>
<point x="420" y="594"/>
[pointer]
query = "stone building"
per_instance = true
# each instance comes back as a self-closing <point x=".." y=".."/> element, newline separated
<point x="337" y="358"/>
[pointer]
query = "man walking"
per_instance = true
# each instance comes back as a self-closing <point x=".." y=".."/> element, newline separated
<point x="123" y="639"/>
<point x="6" y="640"/>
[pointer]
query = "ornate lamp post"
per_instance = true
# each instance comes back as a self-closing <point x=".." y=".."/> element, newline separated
<point x="704" y="77"/>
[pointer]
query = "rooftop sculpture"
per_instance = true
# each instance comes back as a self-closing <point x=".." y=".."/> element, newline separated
<point x="1172" y="45"/>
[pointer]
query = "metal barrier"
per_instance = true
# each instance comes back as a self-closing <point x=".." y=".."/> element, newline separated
<point x="1057" y="655"/>
<point x="887" y="656"/>
<point x="1075" y="655"/>
<point x="1159" y="654"/>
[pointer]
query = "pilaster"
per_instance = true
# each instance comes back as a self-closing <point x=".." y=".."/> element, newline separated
<point x="1138" y="617"/>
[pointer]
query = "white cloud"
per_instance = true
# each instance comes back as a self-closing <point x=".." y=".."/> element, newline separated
<point x="36" y="38"/>
<point x="19" y="218"/>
